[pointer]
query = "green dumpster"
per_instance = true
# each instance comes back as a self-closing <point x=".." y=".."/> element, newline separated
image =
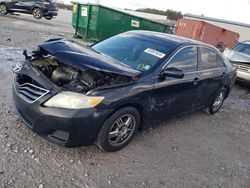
<point x="96" y="22"/>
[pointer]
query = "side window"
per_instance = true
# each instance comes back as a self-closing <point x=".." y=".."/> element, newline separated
<point x="185" y="60"/>
<point x="208" y="59"/>
<point x="220" y="62"/>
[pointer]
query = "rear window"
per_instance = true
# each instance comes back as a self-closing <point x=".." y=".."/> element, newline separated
<point x="209" y="59"/>
<point x="220" y="62"/>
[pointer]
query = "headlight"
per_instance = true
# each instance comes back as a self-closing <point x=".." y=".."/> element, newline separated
<point x="71" y="100"/>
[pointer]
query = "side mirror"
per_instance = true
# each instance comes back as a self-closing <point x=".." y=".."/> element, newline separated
<point x="173" y="72"/>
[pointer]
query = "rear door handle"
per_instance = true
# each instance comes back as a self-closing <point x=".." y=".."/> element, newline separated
<point x="223" y="74"/>
<point x="196" y="81"/>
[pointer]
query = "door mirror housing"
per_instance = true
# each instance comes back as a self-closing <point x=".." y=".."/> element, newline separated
<point x="173" y="72"/>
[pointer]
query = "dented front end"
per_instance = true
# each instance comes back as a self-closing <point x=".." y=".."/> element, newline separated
<point x="63" y="69"/>
<point x="78" y="69"/>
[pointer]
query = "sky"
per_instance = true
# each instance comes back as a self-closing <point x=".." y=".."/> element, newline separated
<point x="234" y="10"/>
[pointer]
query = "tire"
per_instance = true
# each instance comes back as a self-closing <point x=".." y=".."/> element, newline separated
<point x="3" y="9"/>
<point x="48" y="17"/>
<point x="217" y="102"/>
<point x="119" y="129"/>
<point x="37" y="13"/>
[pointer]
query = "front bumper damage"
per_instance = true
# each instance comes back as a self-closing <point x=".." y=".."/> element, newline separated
<point x="61" y="126"/>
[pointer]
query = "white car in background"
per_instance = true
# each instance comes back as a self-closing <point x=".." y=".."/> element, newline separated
<point x="240" y="57"/>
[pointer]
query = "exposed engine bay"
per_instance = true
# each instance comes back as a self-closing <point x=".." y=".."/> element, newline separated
<point x="73" y="79"/>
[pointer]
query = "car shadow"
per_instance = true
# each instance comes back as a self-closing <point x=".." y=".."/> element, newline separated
<point x="243" y="85"/>
<point x="170" y="121"/>
<point x="27" y="18"/>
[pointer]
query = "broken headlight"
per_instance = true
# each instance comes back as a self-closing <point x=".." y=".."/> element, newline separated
<point x="72" y="100"/>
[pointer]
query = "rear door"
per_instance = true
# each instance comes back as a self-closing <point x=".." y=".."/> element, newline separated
<point x="212" y="72"/>
<point x="11" y="4"/>
<point x="174" y="96"/>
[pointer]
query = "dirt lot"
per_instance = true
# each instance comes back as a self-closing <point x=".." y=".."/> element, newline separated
<point x="197" y="150"/>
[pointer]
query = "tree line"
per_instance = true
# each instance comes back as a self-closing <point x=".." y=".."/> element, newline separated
<point x="171" y="14"/>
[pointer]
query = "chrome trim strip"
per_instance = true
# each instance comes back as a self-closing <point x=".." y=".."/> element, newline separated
<point x="22" y="86"/>
<point x="192" y="45"/>
<point x="207" y="70"/>
<point x="177" y="53"/>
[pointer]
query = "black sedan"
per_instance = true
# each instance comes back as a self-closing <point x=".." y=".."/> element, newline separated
<point x="75" y="95"/>
<point x="38" y="8"/>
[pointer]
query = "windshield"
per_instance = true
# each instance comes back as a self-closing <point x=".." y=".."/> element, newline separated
<point x="243" y="48"/>
<point x="134" y="51"/>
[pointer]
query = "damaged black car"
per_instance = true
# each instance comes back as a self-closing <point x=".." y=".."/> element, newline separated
<point x="76" y="95"/>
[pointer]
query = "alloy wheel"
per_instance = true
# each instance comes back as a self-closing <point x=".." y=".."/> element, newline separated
<point x="37" y="13"/>
<point x="218" y="101"/>
<point x="3" y="9"/>
<point x="122" y="129"/>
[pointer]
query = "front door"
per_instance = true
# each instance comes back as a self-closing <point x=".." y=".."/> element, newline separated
<point x="174" y="96"/>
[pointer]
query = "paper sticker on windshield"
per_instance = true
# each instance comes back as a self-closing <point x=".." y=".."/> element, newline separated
<point x="154" y="53"/>
<point x="143" y="67"/>
<point x="146" y="67"/>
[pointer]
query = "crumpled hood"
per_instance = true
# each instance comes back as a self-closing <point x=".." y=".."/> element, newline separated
<point x="84" y="58"/>
<point x="237" y="56"/>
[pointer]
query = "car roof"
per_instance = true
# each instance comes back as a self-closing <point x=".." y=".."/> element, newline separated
<point x="168" y="38"/>
<point x="246" y="42"/>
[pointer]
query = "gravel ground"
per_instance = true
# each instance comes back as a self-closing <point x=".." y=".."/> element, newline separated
<point x="197" y="150"/>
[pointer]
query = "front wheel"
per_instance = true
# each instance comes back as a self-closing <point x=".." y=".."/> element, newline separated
<point x="217" y="102"/>
<point x="118" y="130"/>
<point x="37" y="13"/>
<point x="3" y="9"/>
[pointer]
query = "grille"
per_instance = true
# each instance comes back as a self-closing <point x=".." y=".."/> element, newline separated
<point x="30" y="92"/>
<point x="242" y="66"/>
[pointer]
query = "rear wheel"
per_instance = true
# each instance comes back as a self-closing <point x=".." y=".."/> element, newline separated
<point x="3" y="9"/>
<point x="37" y="13"/>
<point x="118" y="130"/>
<point x="217" y="102"/>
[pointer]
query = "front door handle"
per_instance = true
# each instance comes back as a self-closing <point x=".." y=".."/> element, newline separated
<point x="196" y="81"/>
